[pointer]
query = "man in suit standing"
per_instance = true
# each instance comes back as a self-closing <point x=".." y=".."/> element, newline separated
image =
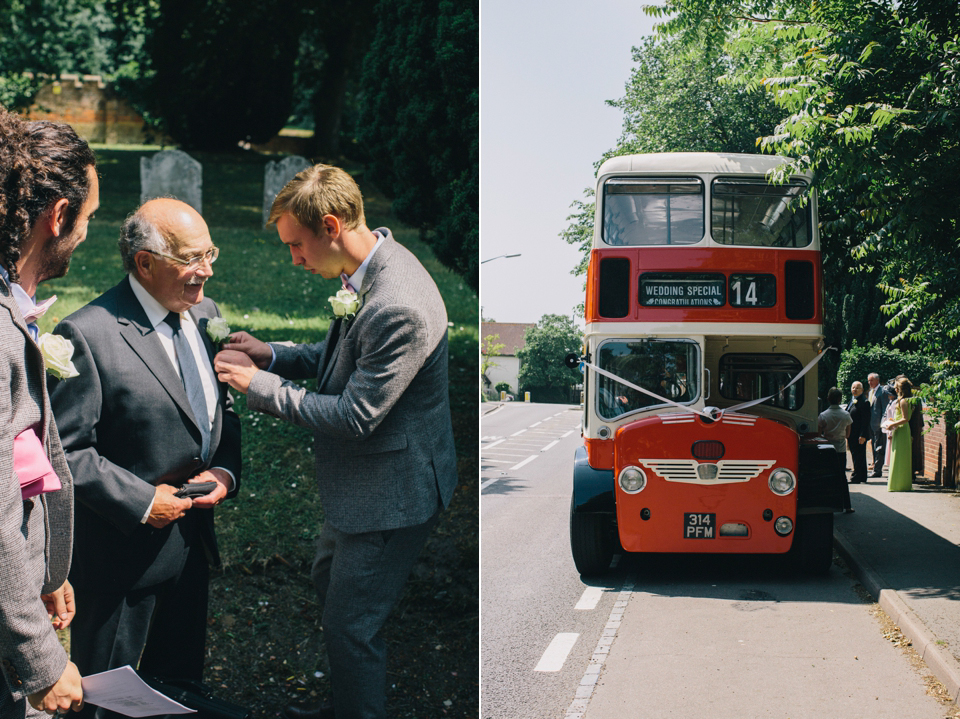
<point x="384" y="450"/>
<point x="149" y="419"/>
<point x="48" y="193"/>
<point x="859" y="410"/>
<point x="879" y="399"/>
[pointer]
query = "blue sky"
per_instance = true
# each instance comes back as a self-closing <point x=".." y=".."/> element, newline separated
<point x="546" y="70"/>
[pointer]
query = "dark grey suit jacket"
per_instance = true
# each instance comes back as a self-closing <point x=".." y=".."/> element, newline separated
<point x="35" y="534"/>
<point x="126" y="426"/>
<point x="384" y="448"/>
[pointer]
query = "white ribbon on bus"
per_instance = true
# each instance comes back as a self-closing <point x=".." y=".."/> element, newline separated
<point x="687" y="408"/>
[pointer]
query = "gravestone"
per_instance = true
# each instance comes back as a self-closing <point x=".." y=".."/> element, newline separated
<point x="172" y="173"/>
<point x="278" y="174"/>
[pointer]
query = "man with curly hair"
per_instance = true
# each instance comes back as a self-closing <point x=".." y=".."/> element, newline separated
<point x="48" y="193"/>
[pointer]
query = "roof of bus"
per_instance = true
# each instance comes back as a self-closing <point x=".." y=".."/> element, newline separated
<point x="685" y="162"/>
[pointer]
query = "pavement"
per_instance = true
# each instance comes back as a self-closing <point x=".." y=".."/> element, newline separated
<point x="904" y="547"/>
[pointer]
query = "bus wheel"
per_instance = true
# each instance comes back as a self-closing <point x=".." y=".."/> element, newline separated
<point x="813" y="543"/>
<point x="591" y="541"/>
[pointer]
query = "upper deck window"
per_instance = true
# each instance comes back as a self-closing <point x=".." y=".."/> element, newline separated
<point x="653" y="211"/>
<point x="754" y="212"/>
<point x="667" y="368"/>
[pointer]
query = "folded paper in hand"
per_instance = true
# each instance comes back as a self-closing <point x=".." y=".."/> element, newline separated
<point x="122" y="691"/>
<point x="32" y="466"/>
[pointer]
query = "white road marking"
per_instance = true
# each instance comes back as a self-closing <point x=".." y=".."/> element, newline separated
<point x="528" y="460"/>
<point x="497" y="461"/>
<point x="536" y="423"/>
<point x="516" y="433"/>
<point x="554" y="443"/>
<point x="589" y="599"/>
<point x="556" y="654"/>
<point x="562" y="436"/>
<point x="578" y="707"/>
<point x="488" y="483"/>
<point x="494" y="444"/>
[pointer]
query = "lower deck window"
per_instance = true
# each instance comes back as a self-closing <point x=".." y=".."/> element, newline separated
<point x="668" y="368"/>
<point x="745" y="377"/>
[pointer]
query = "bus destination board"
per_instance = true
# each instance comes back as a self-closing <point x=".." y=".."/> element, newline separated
<point x="682" y="289"/>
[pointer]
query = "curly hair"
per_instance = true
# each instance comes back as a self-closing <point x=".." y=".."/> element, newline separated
<point x="40" y="163"/>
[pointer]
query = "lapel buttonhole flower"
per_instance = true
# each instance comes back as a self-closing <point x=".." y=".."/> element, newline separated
<point x="58" y="355"/>
<point x="217" y="329"/>
<point x="345" y="304"/>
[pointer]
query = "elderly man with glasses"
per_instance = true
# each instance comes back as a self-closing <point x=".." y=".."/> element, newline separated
<point x="144" y="421"/>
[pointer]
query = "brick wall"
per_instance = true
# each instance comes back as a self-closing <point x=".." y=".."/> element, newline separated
<point x="91" y="107"/>
<point x="940" y="450"/>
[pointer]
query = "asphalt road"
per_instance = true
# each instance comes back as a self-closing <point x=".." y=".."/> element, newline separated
<point x="668" y="636"/>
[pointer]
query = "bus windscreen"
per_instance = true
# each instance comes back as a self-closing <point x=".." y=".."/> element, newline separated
<point x="755" y="213"/>
<point x="653" y="211"/>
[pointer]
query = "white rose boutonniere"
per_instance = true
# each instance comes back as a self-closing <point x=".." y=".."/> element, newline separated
<point x="345" y="304"/>
<point x="58" y="356"/>
<point x="217" y="329"/>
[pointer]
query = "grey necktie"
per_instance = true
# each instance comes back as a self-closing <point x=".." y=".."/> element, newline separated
<point x="191" y="381"/>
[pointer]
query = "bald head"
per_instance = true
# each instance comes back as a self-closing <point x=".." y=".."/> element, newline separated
<point x="158" y="241"/>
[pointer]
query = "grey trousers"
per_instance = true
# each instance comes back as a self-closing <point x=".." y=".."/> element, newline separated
<point x="359" y="578"/>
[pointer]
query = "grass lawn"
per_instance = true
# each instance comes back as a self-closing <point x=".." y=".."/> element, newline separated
<point x="263" y="622"/>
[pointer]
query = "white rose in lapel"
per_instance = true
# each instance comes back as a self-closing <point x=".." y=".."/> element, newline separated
<point x="345" y="304"/>
<point x="58" y="355"/>
<point x="217" y="329"/>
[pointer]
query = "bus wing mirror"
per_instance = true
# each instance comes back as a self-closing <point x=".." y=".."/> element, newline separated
<point x="572" y="360"/>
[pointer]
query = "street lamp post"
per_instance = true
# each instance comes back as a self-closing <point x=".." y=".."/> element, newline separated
<point x="497" y="258"/>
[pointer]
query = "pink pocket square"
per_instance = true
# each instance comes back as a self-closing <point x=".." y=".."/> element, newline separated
<point x="32" y="466"/>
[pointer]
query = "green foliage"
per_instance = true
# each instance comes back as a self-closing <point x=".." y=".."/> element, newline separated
<point x="542" y="369"/>
<point x="858" y="362"/>
<point x="420" y="122"/>
<point x="223" y="71"/>
<point x="871" y="98"/>
<point x="502" y="387"/>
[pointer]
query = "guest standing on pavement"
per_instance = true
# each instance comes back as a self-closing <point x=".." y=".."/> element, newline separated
<point x="879" y="399"/>
<point x="859" y="411"/>
<point x="834" y="424"/>
<point x="900" y="478"/>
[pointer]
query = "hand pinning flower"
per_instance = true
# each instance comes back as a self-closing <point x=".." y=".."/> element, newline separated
<point x="58" y="356"/>
<point x="217" y="329"/>
<point x="345" y="304"/>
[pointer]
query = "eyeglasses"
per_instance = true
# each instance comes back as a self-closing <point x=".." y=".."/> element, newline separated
<point x="192" y="263"/>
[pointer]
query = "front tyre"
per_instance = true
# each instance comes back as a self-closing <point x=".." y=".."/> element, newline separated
<point x="591" y="541"/>
<point x="813" y="543"/>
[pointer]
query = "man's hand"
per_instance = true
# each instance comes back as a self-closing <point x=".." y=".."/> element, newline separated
<point x="224" y="483"/>
<point x="863" y="440"/>
<point x="60" y="606"/>
<point x="167" y="508"/>
<point x="65" y="695"/>
<point x="235" y="368"/>
<point x="258" y="351"/>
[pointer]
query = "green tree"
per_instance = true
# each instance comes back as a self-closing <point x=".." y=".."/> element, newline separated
<point x="490" y="347"/>
<point x="223" y="71"/>
<point x="542" y="370"/>
<point x="871" y="96"/>
<point x="420" y="121"/>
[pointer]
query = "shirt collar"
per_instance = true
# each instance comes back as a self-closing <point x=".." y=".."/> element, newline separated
<point x="24" y="301"/>
<point x="156" y="313"/>
<point x="356" y="279"/>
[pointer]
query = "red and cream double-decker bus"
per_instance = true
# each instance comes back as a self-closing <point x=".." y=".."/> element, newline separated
<point x="703" y="329"/>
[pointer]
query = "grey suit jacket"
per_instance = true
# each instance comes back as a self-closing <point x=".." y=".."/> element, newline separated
<point x="35" y="534"/>
<point x="384" y="447"/>
<point x="126" y="426"/>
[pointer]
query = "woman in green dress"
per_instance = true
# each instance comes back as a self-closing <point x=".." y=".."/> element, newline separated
<point x="900" y="477"/>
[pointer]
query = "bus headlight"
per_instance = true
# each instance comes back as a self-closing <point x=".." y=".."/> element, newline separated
<point x="632" y="480"/>
<point x="782" y="482"/>
<point x="783" y="526"/>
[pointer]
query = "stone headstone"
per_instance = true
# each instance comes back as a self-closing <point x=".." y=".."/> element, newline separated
<point x="278" y="174"/>
<point x="172" y="173"/>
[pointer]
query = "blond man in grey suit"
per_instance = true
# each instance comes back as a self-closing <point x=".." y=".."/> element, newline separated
<point x="48" y="192"/>
<point x="385" y="458"/>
